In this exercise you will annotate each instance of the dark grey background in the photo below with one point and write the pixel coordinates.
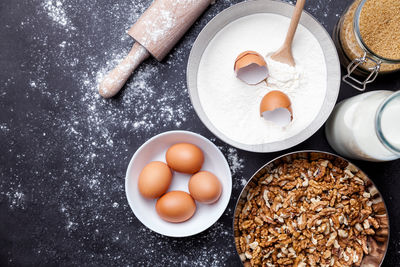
(64, 151)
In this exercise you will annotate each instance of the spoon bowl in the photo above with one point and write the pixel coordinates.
(284, 54)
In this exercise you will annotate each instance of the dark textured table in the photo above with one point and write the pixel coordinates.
(64, 151)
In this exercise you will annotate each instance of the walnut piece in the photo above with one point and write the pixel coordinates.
(309, 213)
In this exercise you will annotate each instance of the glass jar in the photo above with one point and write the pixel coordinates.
(366, 126)
(367, 37)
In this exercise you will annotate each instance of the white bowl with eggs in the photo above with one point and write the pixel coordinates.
(155, 150)
(230, 108)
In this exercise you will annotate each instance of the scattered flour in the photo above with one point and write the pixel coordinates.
(236, 163)
(55, 10)
(16, 199)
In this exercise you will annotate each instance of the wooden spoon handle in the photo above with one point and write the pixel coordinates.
(294, 22)
(115, 79)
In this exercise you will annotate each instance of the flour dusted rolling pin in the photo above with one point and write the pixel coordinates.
(156, 32)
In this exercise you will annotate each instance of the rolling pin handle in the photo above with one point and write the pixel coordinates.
(115, 79)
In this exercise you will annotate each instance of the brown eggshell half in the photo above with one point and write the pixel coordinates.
(176, 206)
(277, 107)
(185, 158)
(251, 67)
(205, 187)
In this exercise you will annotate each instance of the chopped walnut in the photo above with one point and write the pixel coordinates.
(310, 213)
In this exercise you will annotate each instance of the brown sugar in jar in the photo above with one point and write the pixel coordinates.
(380, 27)
(368, 38)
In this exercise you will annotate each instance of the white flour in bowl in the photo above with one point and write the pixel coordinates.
(233, 106)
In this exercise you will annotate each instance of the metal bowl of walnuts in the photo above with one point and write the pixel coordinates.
(311, 208)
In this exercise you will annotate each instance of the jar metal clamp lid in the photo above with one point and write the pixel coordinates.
(356, 82)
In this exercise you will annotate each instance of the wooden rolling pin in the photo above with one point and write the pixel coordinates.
(156, 32)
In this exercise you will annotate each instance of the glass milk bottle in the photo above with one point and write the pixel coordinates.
(366, 126)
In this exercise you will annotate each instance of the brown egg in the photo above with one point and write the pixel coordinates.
(154, 179)
(250, 67)
(276, 107)
(185, 157)
(176, 206)
(205, 187)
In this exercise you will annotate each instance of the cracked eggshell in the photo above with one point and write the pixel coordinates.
(276, 107)
(251, 67)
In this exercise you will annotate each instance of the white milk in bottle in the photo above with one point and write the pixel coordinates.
(366, 126)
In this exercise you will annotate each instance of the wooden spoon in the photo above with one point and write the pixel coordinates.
(284, 54)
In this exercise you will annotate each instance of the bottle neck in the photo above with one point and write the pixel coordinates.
(387, 123)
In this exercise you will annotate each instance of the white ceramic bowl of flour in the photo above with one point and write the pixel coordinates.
(230, 108)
